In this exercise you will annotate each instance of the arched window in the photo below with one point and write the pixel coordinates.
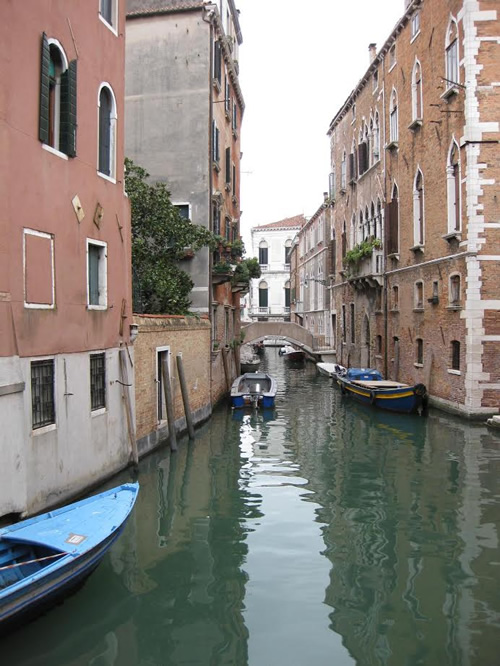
(378, 221)
(393, 116)
(352, 239)
(451, 55)
(372, 226)
(344, 239)
(392, 222)
(288, 249)
(376, 138)
(343, 171)
(454, 189)
(418, 209)
(107, 131)
(287, 294)
(360, 227)
(263, 253)
(57, 122)
(263, 295)
(454, 290)
(416, 93)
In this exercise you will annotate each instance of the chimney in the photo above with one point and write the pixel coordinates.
(372, 50)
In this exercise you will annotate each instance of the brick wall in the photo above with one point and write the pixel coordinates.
(187, 335)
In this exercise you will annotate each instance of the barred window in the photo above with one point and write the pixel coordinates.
(455, 355)
(43, 410)
(97, 381)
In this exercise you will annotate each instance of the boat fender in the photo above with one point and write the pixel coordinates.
(373, 397)
(420, 390)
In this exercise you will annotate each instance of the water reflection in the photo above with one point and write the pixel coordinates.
(320, 532)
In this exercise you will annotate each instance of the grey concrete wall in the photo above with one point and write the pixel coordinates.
(167, 117)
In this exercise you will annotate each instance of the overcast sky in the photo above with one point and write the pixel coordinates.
(299, 61)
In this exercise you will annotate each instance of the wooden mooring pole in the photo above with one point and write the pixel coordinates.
(167, 389)
(185, 396)
(226, 369)
(128, 406)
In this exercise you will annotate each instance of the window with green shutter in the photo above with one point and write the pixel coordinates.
(57, 112)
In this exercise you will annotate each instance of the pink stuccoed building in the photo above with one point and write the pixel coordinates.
(66, 393)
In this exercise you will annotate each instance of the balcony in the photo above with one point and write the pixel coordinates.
(368, 271)
(276, 312)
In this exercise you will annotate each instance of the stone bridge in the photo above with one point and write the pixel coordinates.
(298, 335)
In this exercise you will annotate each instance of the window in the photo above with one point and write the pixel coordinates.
(107, 131)
(227, 228)
(215, 143)
(344, 239)
(233, 190)
(107, 12)
(183, 210)
(455, 355)
(455, 290)
(263, 295)
(333, 338)
(332, 185)
(234, 125)
(217, 74)
(353, 167)
(287, 294)
(416, 95)
(343, 172)
(344, 324)
(43, 409)
(419, 351)
(395, 297)
(376, 138)
(454, 189)
(418, 209)
(57, 120)
(96, 275)
(216, 217)
(263, 253)
(392, 222)
(228, 168)
(392, 56)
(97, 381)
(288, 249)
(419, 295)
(227, 97)
(353, 113)
(378, 344)
(393, 118)
(451, 55)
(353, 324)
(415, 24)
(378, 221)
(375, 80)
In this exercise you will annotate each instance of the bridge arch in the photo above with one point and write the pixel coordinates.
(295, 333)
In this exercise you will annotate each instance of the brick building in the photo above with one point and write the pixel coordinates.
(65, 287)
(184, 112)
(414, 186)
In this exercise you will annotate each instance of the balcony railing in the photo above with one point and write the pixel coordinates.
(274, 311)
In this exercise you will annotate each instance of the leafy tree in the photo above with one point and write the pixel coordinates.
(160, 236)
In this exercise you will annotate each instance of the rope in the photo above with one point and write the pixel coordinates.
(40, 559)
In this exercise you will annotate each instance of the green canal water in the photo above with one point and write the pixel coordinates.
(320, 533)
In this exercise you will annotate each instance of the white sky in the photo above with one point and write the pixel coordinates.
(299, 61)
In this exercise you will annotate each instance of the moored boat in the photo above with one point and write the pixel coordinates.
(332, 370)
(44, 558)
(290, 353)
(368, 386)
(253, 389)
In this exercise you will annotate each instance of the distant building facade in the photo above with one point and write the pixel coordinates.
(66, 379)
(270, 295)
(414, 187)
(184, 113)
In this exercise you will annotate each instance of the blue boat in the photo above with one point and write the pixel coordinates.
(369, 387)
(44, 558)
(253, 389)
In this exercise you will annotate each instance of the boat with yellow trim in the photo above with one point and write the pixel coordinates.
(369, 387)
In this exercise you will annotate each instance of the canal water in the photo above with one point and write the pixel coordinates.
(319, 533)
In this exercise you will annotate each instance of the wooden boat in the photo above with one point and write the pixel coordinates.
(332, 370)
(253, 389)
(290, 353)
(44, 558)
(368, 386)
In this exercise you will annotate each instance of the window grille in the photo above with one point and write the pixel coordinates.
(97, 381)
(42, 393)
